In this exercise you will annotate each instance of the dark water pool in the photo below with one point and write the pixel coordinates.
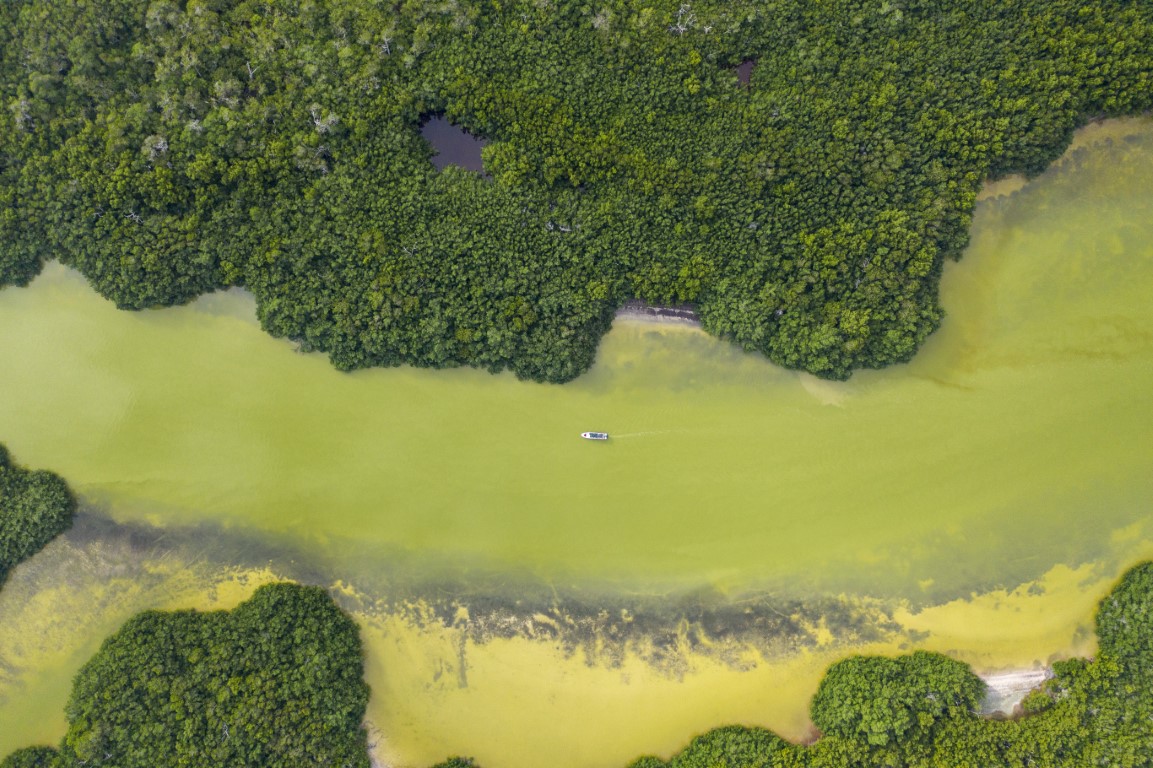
(453, 145)
(744, 71)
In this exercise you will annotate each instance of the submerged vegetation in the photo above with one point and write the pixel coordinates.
(275, 682)
(166, 149)
(919, 711)
(35, 507)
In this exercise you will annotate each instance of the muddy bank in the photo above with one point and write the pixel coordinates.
(685, 314)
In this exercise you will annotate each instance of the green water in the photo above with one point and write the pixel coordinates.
(1019, 438)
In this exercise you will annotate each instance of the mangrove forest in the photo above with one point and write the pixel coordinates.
(35, 506)
(275, 683)
(166, 149)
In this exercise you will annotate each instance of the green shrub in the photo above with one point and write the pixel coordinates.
(35, 507)
(1125, 617)
(274, 683)
(32, 757)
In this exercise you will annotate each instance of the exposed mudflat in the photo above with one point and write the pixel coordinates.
(684, 314)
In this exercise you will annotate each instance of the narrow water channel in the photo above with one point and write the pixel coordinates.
(522, 591)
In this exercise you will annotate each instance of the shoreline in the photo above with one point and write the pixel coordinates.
(682, 314)
(1095, 130)
(1007, 689)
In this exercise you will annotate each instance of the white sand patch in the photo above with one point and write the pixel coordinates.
(1008, 689)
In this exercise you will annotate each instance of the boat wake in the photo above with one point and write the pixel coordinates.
(644, 434)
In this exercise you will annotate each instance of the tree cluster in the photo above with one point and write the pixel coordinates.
(166, 148)
(275, 683)
(35, 507)
(920, 711)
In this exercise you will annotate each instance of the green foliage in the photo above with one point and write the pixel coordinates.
(35, 507)
(275, 682)
(1036, 701)
(880, 700)
(32, 757)
(166, 149)
(736, 747)
(1125, 618)
(648, 761)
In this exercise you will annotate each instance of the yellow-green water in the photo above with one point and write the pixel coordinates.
(1015, 447)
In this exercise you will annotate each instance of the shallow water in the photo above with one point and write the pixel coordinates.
(978, 500)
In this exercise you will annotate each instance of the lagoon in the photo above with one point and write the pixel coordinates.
(977, 500)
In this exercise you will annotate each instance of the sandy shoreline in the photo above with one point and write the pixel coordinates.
(1006, 690)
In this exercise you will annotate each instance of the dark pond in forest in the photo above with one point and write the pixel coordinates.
(453, 145)
(744, 71)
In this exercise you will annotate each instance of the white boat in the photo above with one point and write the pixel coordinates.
(595, 435)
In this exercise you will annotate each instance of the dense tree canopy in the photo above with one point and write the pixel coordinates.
(885, 701)
(1125, 620)
(275, 683)
(169, 147)
(35, 507)
(31, 757)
